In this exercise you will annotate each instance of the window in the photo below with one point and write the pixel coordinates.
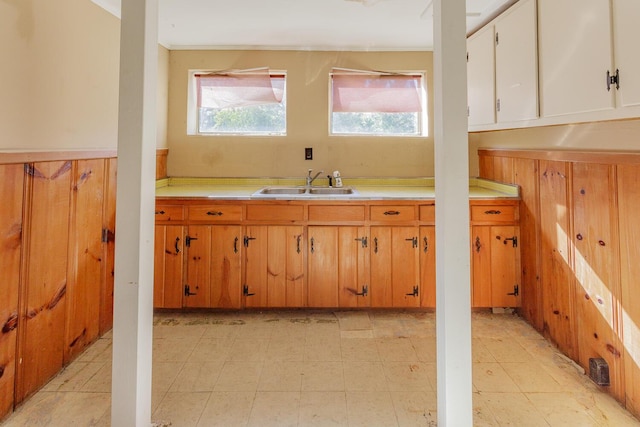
(381, 104)
(245, 102)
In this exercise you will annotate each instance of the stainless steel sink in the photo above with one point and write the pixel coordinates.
(304, 192)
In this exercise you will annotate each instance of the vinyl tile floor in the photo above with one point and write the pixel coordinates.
(327, 368)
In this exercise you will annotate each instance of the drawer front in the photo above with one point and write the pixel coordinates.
(215, 213)
(428, 213)
(336, 213)
(169, 213)
(275, 212)
(393, 213)
(499, 213)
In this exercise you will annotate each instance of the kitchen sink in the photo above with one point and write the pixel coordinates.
(304, 192)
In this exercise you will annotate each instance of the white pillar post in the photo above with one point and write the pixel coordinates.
(135, 201)
(453, 300)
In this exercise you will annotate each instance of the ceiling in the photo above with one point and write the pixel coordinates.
(305, 24)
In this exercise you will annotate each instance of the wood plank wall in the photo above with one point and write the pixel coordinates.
(57, 230)
(580, 254)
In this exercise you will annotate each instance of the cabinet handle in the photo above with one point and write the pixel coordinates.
(478, 244)
(177, 248)
(392, 213)
(160, 212)
(313, 249)
(235, 245)
(298, 243)
(492, 212)
(375, 245)
(426, 245)
(212, 213)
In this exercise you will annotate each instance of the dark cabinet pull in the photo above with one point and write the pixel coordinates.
(298, 243)
(492, 212)
(392, 213)
(212, 213)
(312, 241)
(426, 245)
(478, 244)
(160, 212)
(375, 245)
(177, 248)
(235, 245)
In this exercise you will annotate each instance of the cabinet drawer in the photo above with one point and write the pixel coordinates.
(275, 212)
(169, 213)
(428, 213)
(499, 213)
(215, 213)
(336, 213)
(393, 213)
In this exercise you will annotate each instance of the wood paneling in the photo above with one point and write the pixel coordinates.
(628, 177)
(108, 254)
(168, 266)
(11, 191)
(85, 256)
(381, 267)
(595, 241)
(557, 278)
(42, 325)
(161, 162)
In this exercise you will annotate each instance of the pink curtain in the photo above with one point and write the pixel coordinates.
(381, 93)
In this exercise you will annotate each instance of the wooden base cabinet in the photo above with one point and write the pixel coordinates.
(168, 266)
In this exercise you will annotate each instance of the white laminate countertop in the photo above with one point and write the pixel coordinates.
(366, 188)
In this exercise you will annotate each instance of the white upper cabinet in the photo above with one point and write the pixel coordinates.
(480, 77)
(516, 63)
(575, 54)
(626, 24)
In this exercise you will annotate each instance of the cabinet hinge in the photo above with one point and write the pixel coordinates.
(414, 241)
(245, 291)
(514, 241)
(188, 239)
(497, 39)
(247, 239)
(613, 79)
(414, 293)
(187, 291)
(467, 56)
(363, 241)
(516, 291)
(365, 291)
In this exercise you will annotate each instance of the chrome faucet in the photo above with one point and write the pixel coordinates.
(310, 179)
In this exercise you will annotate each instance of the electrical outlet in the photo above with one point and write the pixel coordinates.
(308, 153)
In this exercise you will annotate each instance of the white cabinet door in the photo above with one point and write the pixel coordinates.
(480, 77)
(626, 36)
(575, 55)
(516, 63)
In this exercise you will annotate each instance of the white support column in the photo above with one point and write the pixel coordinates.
(135, 201)
(453, 300)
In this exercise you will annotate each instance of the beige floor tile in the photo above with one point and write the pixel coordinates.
(425, 348)
(164, 374)
(74, 376)
(100, 382)
(407, 376)
(210, 349)
(359, 349)
(364, 376)
(396, 350)
(491, 377)
(281, 376)
(239, 376)
(285, 349)
(415, 408)
(363, 334)
(275, 409)
(197, 377)
(173, 349)
(248, 349)
(530, 377)
(370, 408)
(222, 329)
(510, 409)
(181, 409)
(354, 320)
(562, 409)
(322, 349)
(322, 376)
(227, 409)
(255, 330)
(182, 330)
(323, 409)
(99, 351)
(606, 410)
(480, 353)
(506, 350)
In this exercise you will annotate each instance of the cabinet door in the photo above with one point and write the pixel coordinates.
(256, 266)
(197, 288)
(517, 63)
(353, 267)
(285, 267)
(596, 268)
(226, 273)
(381, 267)
(575, 54)
(85, 257)
(323, 266)
(428, 266)
(505, 266)
(109, 247)
(481, 266)
(626, 35)
(11, 188)
(481, 77)
(41, 342)
(168, 267)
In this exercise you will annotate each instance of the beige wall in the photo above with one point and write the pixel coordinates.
(623, 135)
(163, 96)
(60, 75)
(307, 120)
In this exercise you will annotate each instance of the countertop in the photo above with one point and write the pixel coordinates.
(366, 188)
